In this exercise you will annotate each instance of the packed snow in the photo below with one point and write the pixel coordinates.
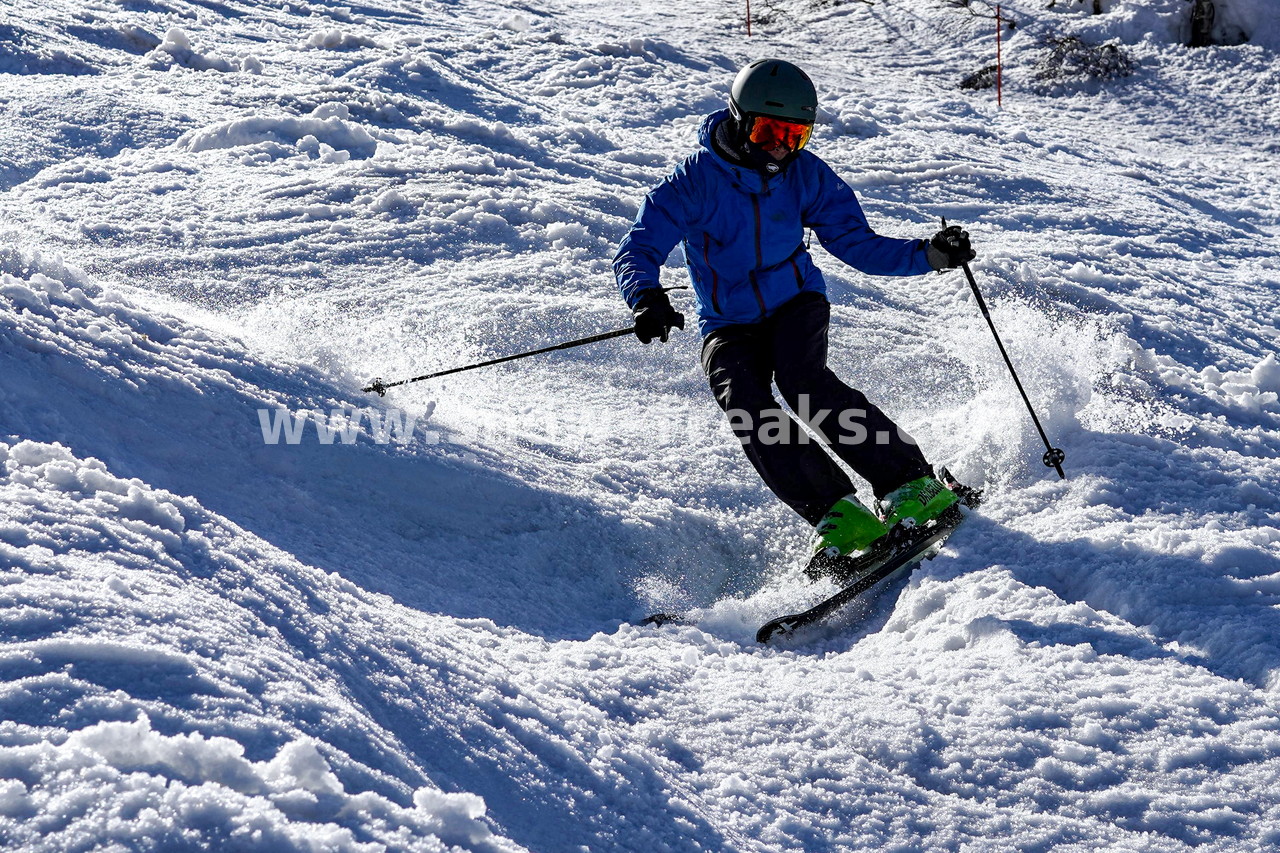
(248, 606)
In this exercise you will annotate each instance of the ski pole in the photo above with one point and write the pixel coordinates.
(1053, 456)
(380, 388)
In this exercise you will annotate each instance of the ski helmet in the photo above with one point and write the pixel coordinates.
(776, 88)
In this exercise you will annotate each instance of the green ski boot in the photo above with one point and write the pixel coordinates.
(917, 503)
(847, 527)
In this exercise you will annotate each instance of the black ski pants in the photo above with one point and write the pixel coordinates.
(790, 349)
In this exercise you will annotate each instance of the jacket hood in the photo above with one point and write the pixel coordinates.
(708, 128)
(744, 175)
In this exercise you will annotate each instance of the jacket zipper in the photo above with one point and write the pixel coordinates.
(715, 277)
(755, 283)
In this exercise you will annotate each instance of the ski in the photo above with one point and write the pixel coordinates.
(868, 571)
(657, 620)
(895, 553)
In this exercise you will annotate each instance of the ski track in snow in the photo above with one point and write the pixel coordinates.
(217, 212)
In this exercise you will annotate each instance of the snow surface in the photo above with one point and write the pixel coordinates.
(405, 626)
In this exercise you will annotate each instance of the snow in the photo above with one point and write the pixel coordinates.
(245, 605)
(326, 126)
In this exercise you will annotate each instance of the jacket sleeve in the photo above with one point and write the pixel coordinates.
(662, 222)
(837, 218)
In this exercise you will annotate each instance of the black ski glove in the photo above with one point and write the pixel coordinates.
(655, 317)
(949, 248)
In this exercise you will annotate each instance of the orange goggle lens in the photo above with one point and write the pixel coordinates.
(769, 133)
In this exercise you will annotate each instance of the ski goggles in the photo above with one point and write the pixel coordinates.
(769, 133)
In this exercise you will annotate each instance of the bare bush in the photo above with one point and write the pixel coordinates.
(1066, 60)
(983, 78)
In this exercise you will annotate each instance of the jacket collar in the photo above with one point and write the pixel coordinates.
(750, 179)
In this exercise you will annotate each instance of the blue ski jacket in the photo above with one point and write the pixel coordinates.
(743, 234)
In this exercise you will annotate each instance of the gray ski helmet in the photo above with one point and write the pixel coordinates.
(773, 87)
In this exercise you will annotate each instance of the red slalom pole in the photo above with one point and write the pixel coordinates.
(999, 63)
(748, 18)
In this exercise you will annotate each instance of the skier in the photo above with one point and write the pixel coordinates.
(739, 206)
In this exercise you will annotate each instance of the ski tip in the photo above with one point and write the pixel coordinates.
(767, 633)
(781, 627)
(659, 619)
